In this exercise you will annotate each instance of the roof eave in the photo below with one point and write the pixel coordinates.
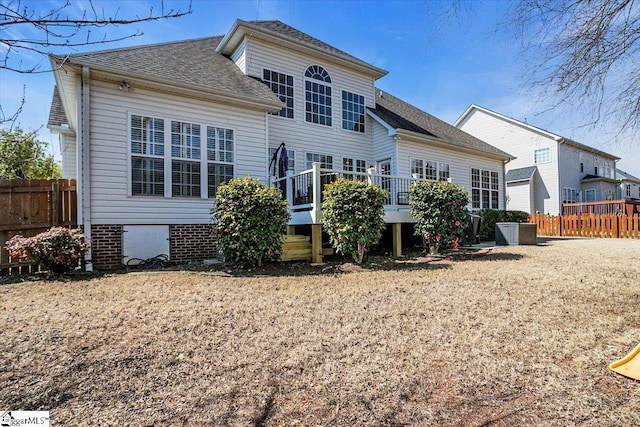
(584, 147)
(420, 137)
(186, 89)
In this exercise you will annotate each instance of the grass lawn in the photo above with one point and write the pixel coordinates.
(506, 337)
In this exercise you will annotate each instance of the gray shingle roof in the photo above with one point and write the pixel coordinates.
(56, 113)
(297, 36)
(401, 115)
(193, 63)
(624, 175)
(520, 174)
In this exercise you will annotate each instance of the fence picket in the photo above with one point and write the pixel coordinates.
(588, 225)
(29, 207)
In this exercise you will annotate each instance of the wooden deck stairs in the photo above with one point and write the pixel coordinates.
(296, 248)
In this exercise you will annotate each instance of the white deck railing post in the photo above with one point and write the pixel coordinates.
(289, 189)
(316, 210)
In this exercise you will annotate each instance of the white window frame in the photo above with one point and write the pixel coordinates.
(485, 190)
(146, 153)
(569, 195)
(168, 157)
(592, 192)
(357, 124)
(627, 190)
(316, 158)
(542, 155)
(310, 102)
(284, 112)
(291, 155)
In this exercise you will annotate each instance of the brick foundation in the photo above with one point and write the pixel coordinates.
(191, 242)
(106, 246)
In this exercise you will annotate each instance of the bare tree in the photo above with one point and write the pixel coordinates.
(584, 53)
(62, 27)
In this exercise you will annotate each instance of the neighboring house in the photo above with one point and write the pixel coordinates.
(150, 132)
(549, 170)
(629, 186)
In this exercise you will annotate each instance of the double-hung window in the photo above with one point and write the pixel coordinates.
(443, 172)
(569, 195)
(147, 156)
(282, 85)
(431, 170)
(326, 162)
(175, 158)
(318, 96)
(354, 165)
(484, 189)
(417, 168)
(352, 111)
(185, 159)
(220, 150)
(627, 190)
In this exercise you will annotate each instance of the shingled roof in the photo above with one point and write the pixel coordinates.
(56, 113)
(520, 174)
(193, 63)
(401, 115)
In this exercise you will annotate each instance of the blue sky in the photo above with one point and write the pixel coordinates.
(439, 63)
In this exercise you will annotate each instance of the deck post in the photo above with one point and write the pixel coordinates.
(396, 228)
(316, 243)
(316, 210)
(289, 189)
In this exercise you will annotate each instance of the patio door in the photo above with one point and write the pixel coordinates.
(384, 168)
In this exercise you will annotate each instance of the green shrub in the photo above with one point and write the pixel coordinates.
(249, 221)
(491, 216)
(439, 211)
(58, 249)
(353, 216)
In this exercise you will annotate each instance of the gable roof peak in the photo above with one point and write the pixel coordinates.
(278, 32)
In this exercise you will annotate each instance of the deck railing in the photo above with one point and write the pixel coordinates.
(303, 190)
(608, 207)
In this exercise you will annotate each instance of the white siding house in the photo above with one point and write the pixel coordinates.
(151, 131)
(548, 170)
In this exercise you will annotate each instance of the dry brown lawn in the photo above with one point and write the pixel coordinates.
(507, 337)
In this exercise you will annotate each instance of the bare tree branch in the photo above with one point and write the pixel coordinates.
(56, 28)
(585, 53)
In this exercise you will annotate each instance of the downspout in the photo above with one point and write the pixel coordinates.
(85, 163)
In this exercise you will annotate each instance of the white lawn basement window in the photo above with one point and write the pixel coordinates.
(542, 155)
(156, 142)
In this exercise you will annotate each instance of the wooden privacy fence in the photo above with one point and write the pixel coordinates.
(588, 225)
(29, 207)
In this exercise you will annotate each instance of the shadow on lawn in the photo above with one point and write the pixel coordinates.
(333, 265)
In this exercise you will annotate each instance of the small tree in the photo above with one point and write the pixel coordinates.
(249, 221)
(59, 249)
(23, 156)
(353, 216)
(438, 209)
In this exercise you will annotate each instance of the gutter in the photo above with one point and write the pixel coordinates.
(84, 207)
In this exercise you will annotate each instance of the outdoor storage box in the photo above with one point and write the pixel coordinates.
(515, 233)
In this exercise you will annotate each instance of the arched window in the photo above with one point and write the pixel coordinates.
(317, 95)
